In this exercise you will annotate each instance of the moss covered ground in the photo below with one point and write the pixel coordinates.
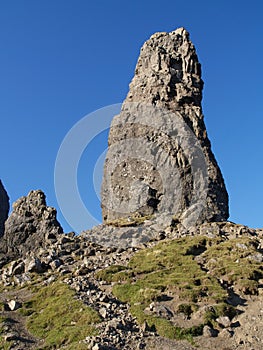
(57, 317)
(191, 271)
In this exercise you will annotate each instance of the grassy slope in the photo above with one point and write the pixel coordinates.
(193, 271)
(57, 317)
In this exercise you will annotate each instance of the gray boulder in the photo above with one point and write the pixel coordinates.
(4, 208)
(159, 163)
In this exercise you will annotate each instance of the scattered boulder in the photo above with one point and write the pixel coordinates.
(10, 337)
(14, 305)
(159, 161)
(33, 265)
(209, 332)
(4, 208)
(55, 264)
(163, 311)
(16, 267)
(226, 333)
(223, 321)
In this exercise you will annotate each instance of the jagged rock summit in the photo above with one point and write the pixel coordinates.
(159, 162)
(31, 225)
(4, 207)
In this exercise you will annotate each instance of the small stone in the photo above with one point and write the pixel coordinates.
(209, 332)
(256, 257)
(145, 327)
(21, 280)
(226, 333)
(104, 298)
(12, 266)
(163, 311)
(162, 235)
(10, 337)
(14, 305)
(65, 239)
(151, 306)
(55, 264)
(33, 265)
(103, 312)
(223, 321)
(50, 279)
(82, 271)
(71, 234)
(96, 347)
(19, 269)
(241, 246)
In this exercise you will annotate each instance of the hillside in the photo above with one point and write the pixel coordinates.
(182, 290)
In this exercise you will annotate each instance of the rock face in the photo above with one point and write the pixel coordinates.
(4, 208)
(32, 224)
(159, 161)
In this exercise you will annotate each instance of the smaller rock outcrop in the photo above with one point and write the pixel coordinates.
(4, 208)
(31, 225)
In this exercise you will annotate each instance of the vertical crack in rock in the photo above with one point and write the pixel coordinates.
(159, 161)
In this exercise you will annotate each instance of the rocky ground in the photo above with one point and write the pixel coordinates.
(75, 261)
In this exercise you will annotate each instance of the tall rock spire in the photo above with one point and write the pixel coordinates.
(159, 161)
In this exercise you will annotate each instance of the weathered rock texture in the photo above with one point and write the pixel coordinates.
(4, 208)
(32, 224)
(159, 159)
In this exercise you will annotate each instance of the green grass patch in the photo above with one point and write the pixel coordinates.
(230, 260)
(79, 346)
(4, 345)
(169, 268)
(53, 314)
(114, 273)
(164, 327)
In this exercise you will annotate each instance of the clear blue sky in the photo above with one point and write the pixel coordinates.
(62, 59)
